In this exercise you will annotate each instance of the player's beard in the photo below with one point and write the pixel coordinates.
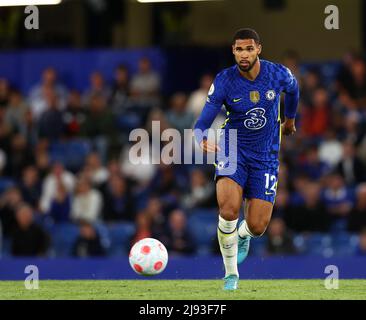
(248, 68)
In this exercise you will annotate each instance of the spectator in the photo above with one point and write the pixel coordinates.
(19, 156)
(88, 244)
(30, 186)
(138, 162)
(94, 169)
(118, 202)
(28, 238)
(60, 208)
(9, 202)
(143, 228)
(178, 116)
(351, 167)
(50, 183)
(74, 116)
(310, 84)
(352, 91)
(310, 214)
(316, 117)
(165, 182)
(313, 167)
(281, 204)
(121, 90)
(155, 214)
(50, 124)
(330, 149)
(279, 241)
(357, 216)
(16, 112)
(87, 202)
(99, 126)
(338, 199)
(178, 239)
(197, 98)
(145, 84)
(202, 192)
(97, 88)
(38, 94)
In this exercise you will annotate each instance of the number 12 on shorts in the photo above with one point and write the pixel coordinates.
(271, 183)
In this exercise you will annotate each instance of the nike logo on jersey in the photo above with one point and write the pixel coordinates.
(236, 100)
(269, 193)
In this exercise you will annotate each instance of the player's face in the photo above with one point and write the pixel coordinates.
(246, 53)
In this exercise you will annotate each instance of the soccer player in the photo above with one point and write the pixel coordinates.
(250, 91)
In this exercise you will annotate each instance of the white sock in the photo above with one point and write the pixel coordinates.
(244, 230)
(227, 235)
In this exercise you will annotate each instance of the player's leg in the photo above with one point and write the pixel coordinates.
(229, 198)
(257, 218)
(260, 192)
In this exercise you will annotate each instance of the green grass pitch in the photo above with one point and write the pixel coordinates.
(183, 290)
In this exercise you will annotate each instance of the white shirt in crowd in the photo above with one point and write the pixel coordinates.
(49, 188)
(87, 206)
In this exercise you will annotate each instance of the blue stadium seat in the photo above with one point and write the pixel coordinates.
(71, 154)
(104, 236)
(345, 244)
(63, 238)
(203, 225)
(5, 248)
(300, 243)
(120, 235)
(319, 244)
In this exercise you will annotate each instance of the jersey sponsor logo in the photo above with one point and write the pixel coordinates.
(236, 100)
(256, 119)
(211, 90)
(254, 96)
(270, 94)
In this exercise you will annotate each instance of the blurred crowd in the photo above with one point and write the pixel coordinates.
(322, 179)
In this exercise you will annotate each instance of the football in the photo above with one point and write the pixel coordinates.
(148, 257)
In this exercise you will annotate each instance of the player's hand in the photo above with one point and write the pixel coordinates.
(288, 127)
(209, 147)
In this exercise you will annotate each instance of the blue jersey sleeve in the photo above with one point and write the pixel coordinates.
(291, 89)
(214, 102)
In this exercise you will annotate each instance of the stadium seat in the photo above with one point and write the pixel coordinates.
(71, 154)
(299, 242)
(104, 236)
(203, 225)
(120, 235)
(63, 236)
(345, 244)
(319, 244)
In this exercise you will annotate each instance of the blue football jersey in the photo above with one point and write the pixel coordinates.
(253, 107)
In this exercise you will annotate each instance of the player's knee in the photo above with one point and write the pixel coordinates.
(258, 228)
(229, 213)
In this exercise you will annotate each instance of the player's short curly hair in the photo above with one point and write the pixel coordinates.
(246, 33)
